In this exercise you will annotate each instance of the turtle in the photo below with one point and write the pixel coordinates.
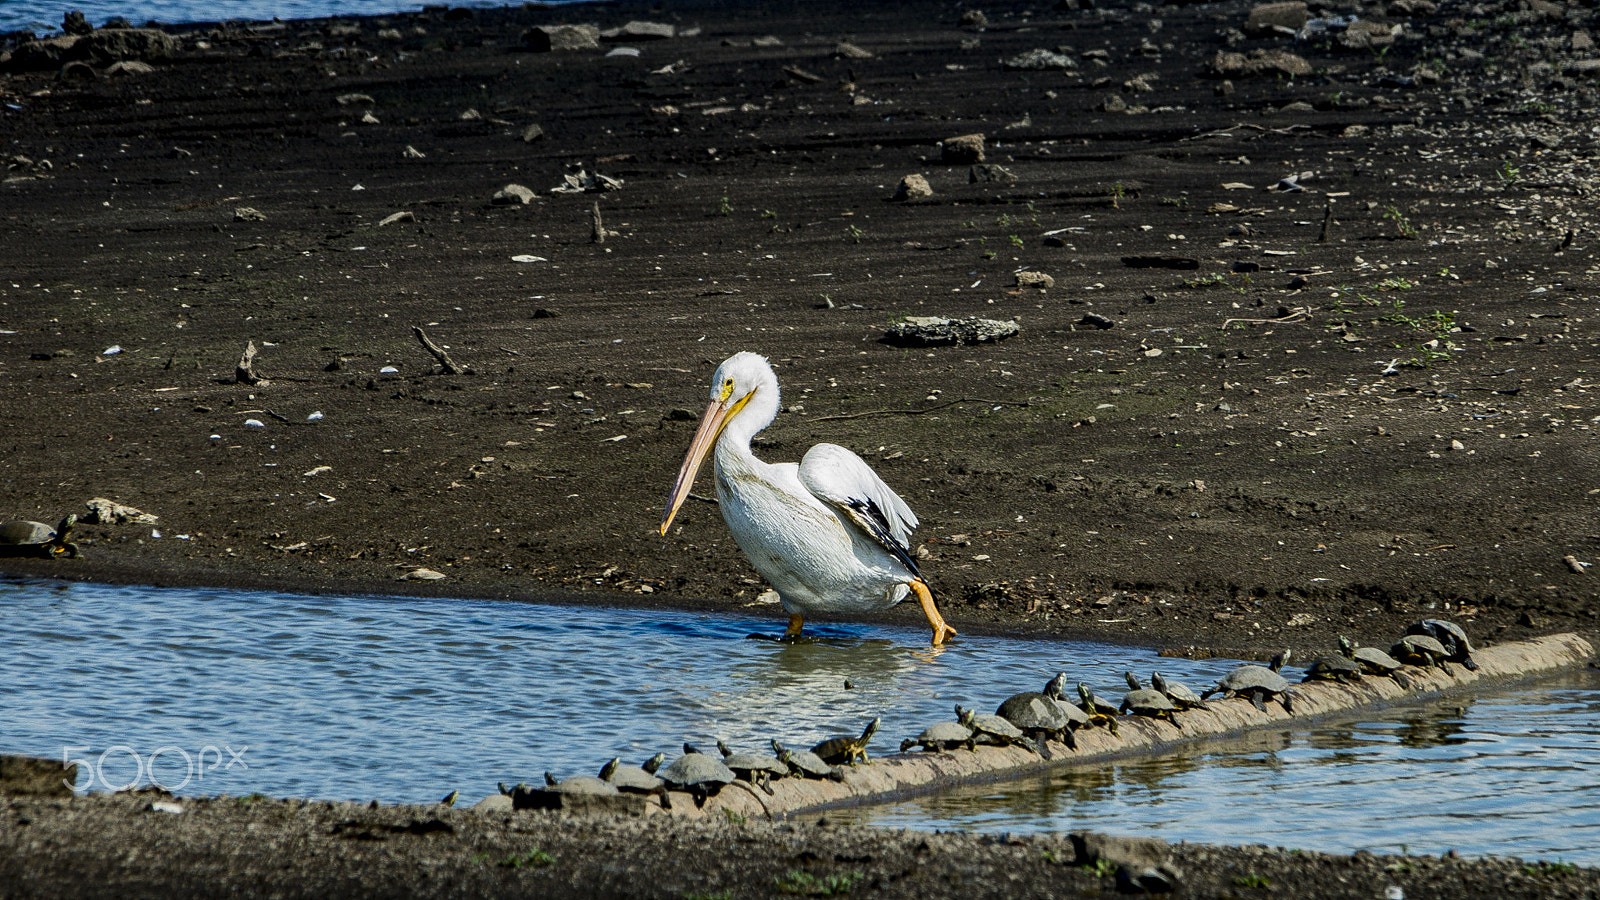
(842, 749)
(1096, 710)
(1420, 650)
(1256, 683)
(1038, 713)
(805, 763)
(1373, 661)
(941, 736)
(1333, 668)
(38, 539)
(1143, 701)
(1056, 691)
(1180, 694)
(578, 784)
(1454, 638)
(698, 773)
(638, 779)
(757, 768)
(987, 729)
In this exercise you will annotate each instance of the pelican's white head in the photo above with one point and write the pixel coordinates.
(743, 389)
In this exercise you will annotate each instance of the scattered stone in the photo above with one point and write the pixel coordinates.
(512, 195)
(1582, 42)
(367, 118)
(129, 67)
(110, 512)
(638, 31)
(913, 187)
(799, 74)
(973, 18)
(413, 153)
(1098, 322)
(990, 172)
(28, 775)
(249, 214)
(1365, 35)
(548, 38)
(584, 181)
(1276, 18)
(532, 133)
(1400, 9)
(935, 331)
(1256, 63)
(847, 50)
(1113, 103)
(420, 574)
(1039, 60)
(1585, 67)
(963, 149)
(1039, 280)
(351, 99)
(623, 51)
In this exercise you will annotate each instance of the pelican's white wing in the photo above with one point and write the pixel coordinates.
(845, 482)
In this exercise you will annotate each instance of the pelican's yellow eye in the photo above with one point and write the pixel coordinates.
(727, 388)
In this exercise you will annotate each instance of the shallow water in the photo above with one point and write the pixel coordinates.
(405, 699)
(45, 15)
(1505, 774)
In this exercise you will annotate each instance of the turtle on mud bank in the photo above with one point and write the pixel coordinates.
(1257, 684)
(38, 539)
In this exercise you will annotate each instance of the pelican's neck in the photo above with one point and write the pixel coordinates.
(733, 448)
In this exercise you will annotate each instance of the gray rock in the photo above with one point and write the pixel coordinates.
(638, 31)
(1364, 35)
(1270, 18)
(129, 67)
(1586, 67)
(1039, 60)
(973, 18)
(1035, 280)
(512, 195)
(249, 214)
(1399, 9)
(913, 187)
(109, 45)
(990, 172)
(963, 149)
(1093, 848)
(935, 331)
(1258, 62)
(532, 133)
(110, 512)
(27, 775)
(546, 38)
(847, 50)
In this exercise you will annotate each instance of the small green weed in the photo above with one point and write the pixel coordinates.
(1102, 868)
(1252, 880)
(1394, 283)
(735, 818)
(1402, 224)
(532, 859)
(1545, 868)
(1508, 174)
(1015, 241)
(724, 208)
(1179, 202)
(802, 882)
(854, 233)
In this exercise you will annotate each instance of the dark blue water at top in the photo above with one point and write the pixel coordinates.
(45, 15)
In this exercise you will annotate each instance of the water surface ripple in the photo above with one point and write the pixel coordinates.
(405, 699)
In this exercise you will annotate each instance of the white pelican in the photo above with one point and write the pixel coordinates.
(827, 534)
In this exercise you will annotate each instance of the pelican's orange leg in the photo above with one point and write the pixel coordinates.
(925, 597)
(796, 622)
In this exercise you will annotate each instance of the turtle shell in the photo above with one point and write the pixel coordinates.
(1333, 668)
(940, 736)
(1033, 711)
(1375, 661)
(803, 762)
(634, 779)
(1457, 647)
(695, 769)
(1180, 694)
(1147, 701)
(582, 784)
(1252, 677)
(20, 534)
(742, 763)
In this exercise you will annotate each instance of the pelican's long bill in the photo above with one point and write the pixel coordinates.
(716, 418)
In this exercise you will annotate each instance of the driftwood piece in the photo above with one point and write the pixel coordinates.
(597, 230)
(445, 362)
(245, 371)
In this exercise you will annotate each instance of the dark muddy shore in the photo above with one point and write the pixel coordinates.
(1315, 356)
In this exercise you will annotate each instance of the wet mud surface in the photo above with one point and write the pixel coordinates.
(1327, 404)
